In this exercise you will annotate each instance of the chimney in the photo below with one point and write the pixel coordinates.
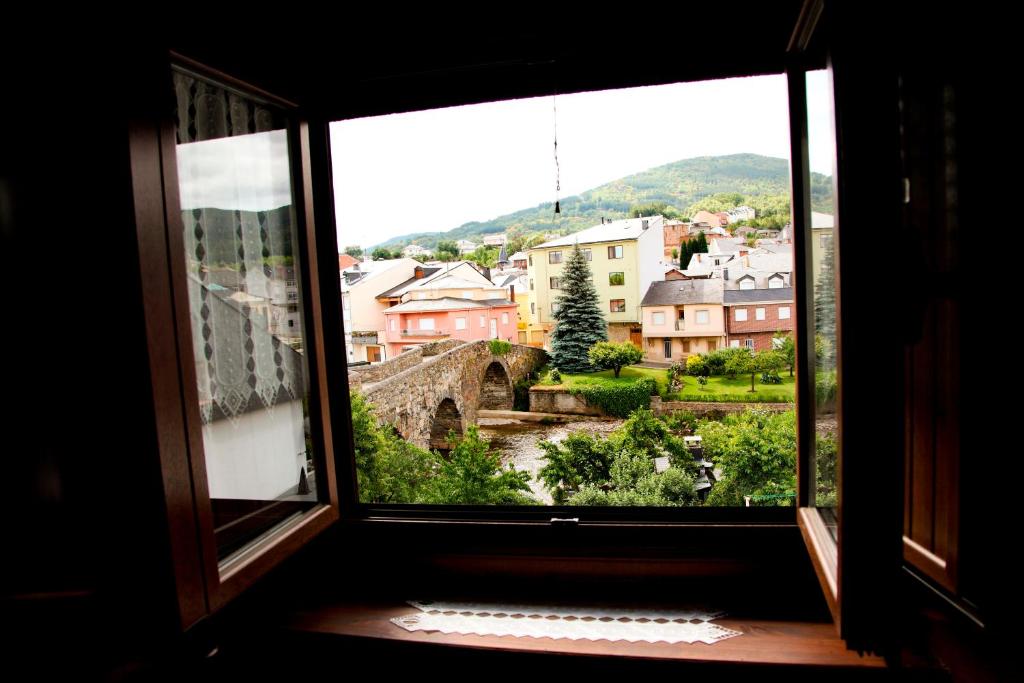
(698, 258)
(418, 272)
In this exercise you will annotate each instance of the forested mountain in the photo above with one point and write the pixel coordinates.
(686, 186)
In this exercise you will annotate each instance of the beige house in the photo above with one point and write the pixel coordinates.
(362, 313)
(624, 257)
(681, 317)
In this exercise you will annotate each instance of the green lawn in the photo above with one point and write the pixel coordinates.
(717, 388)
(626, 376)
(722, 388)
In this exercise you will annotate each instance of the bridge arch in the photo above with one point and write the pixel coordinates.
(495, 388)
(447, 417)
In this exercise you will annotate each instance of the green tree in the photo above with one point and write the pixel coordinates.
(578, 460)
(675, 254)
(769, 363)
(384, 254)
(685, 253)
(388, 468)
(699, 244)
(486, 257)
(447, 250)
(579, 323)
(739, 363)
(788, 349)
(608, 355)
(645, 434)
(755, 451)
(825, 307)
(654, 209)
(472, 475)
(354, 250)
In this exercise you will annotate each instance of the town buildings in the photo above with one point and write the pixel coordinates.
(452, 300)
(755, 318)
(681, 317)
(624, 256)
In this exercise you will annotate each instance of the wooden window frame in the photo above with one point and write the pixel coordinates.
(205, 584)
(149, 153)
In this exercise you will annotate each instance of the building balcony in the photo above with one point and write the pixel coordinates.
(364, 338)
(424, 333)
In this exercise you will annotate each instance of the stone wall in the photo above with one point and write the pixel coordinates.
(713, 410)
(555, 399)
(368, 374)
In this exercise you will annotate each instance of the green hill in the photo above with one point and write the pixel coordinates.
(686, 186)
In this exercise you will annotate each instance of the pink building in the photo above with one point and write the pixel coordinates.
(417, 322)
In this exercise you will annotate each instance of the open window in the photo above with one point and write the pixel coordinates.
(325, 412)
(251, 446)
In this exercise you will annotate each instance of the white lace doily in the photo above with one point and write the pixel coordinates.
(573, 623)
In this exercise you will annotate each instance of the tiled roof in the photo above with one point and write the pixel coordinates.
(613, 231)
(679, 292)
(751, 296)
(446, 303)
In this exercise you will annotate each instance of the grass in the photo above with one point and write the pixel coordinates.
(737, 390)
(717, 388)
(627, 375)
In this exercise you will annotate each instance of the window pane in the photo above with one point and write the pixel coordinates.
(244, 296)
(413, 409)
(821, 144)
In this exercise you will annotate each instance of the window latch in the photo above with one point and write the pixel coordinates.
(565, 521)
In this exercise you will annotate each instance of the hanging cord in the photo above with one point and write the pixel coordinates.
(558, 170)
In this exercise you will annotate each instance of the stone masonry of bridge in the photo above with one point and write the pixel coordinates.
(423, 400)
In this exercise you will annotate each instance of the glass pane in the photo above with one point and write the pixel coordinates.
(824, 227)
(246, 309)
(662, 228)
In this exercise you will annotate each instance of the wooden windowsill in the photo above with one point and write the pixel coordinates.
(764, 641)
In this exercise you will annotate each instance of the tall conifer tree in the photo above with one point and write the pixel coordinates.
(579, 323)
(825, 306)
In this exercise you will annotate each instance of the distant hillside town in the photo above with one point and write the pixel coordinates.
(671, 287)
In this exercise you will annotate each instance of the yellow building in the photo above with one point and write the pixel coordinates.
(624, 256)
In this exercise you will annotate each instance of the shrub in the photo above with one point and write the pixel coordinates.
(580, 459)
(521, 394)
(499, 347)
(730, 398)
(675, 374)
(680, 421)
(555, 376)
(756, 452)
(618, 399)
(825, 387)
(697, 366)
(472, 475)
(718, 361)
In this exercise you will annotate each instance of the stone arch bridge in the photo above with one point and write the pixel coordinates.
(439, 387)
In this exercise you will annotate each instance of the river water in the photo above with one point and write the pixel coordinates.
(517, 442)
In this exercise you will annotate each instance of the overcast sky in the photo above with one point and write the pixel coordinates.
(435, 170)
